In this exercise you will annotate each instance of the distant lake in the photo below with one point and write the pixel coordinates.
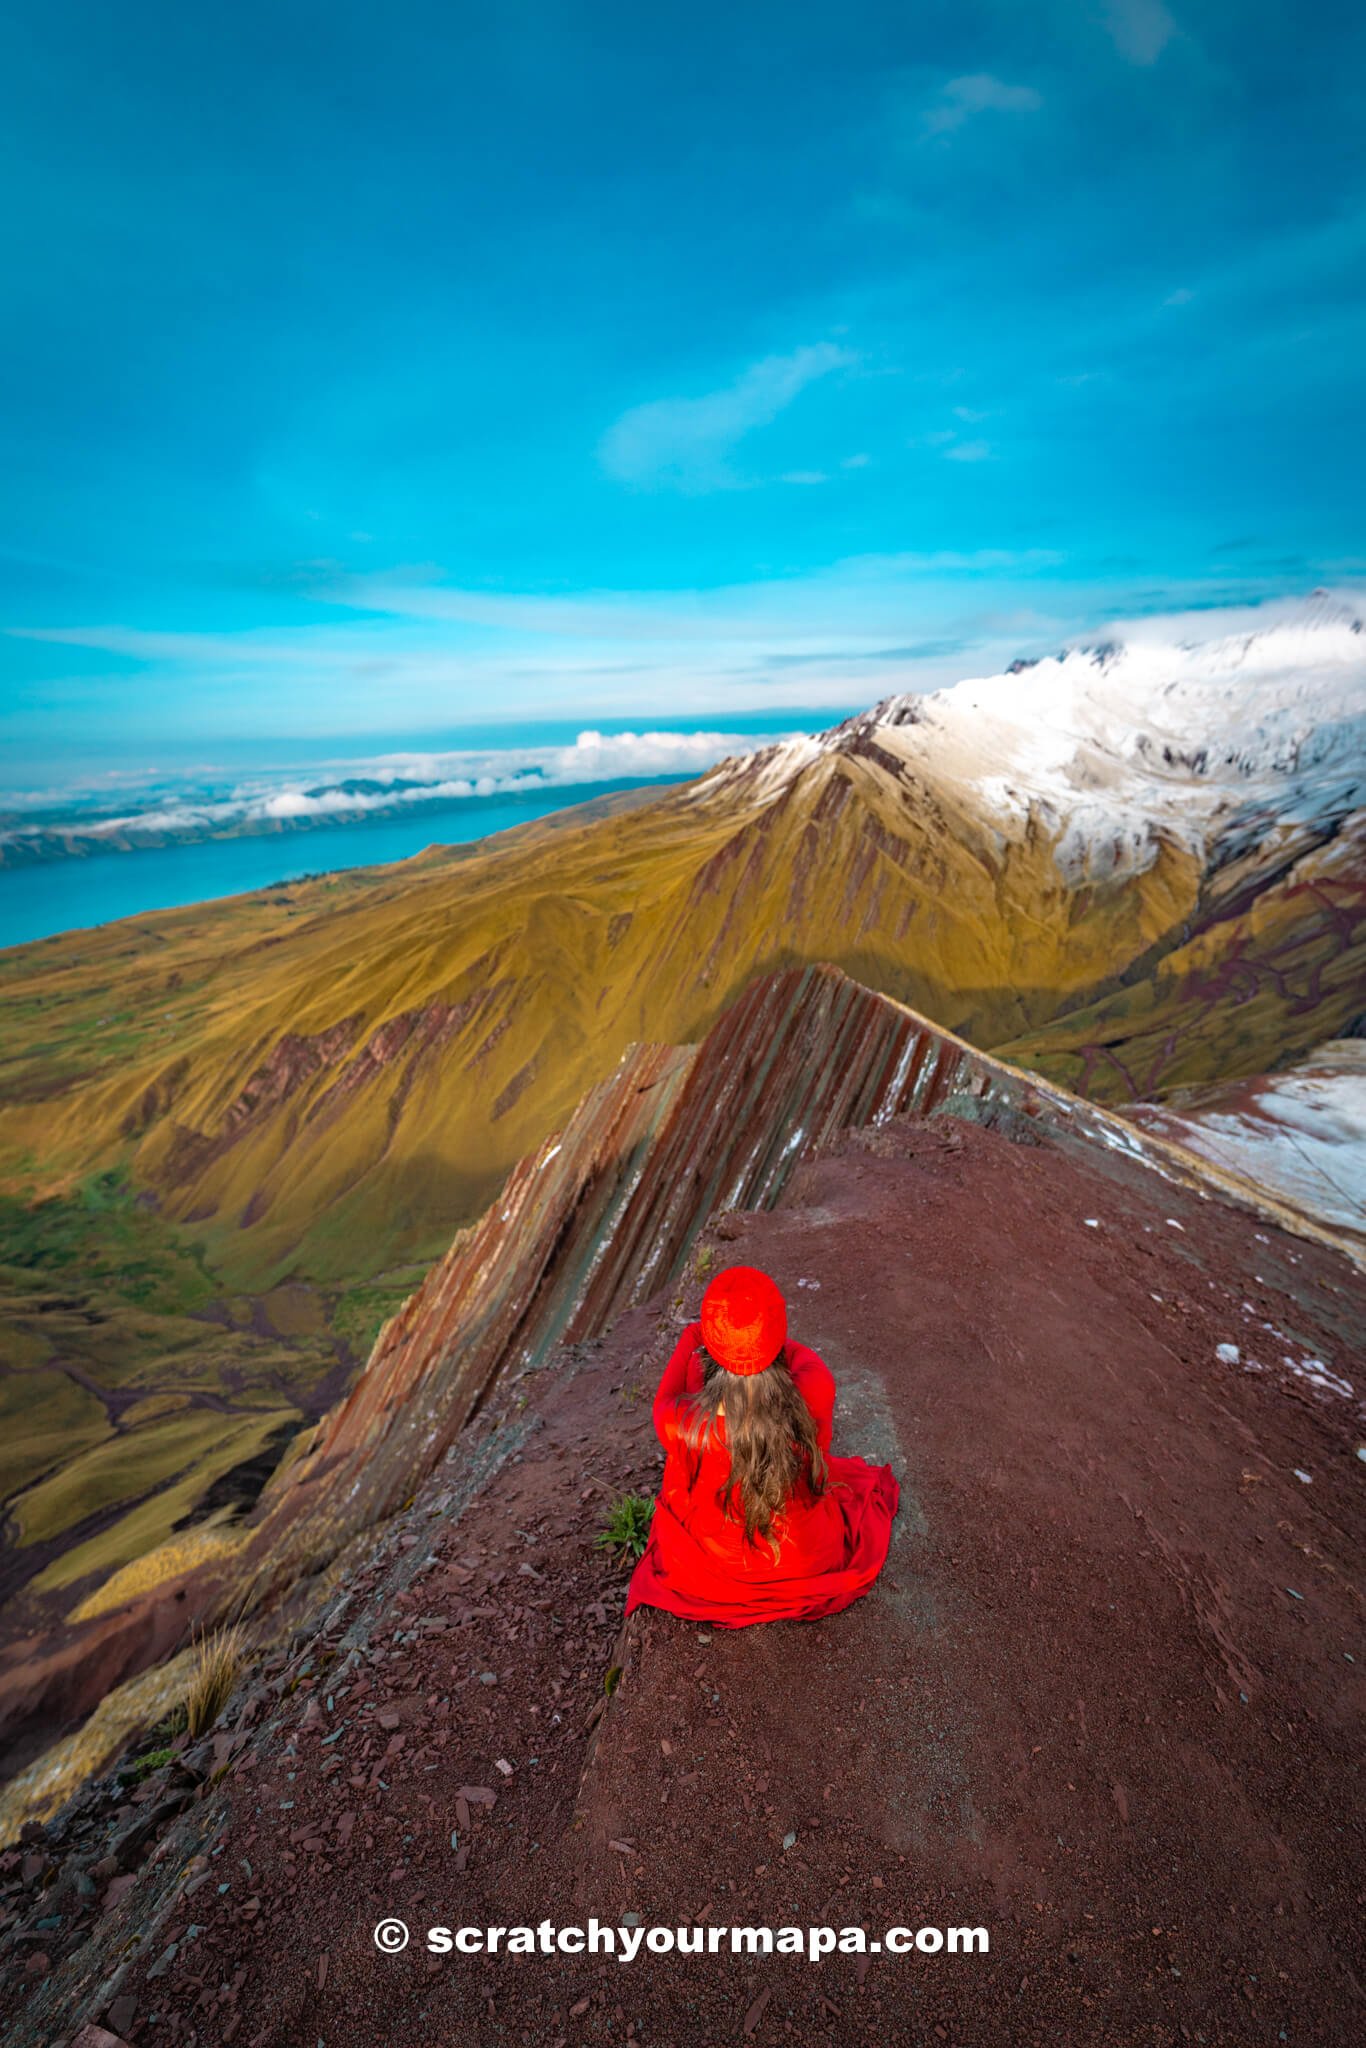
(63, 895)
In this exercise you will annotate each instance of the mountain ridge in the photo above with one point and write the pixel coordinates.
(1104, 1472)
(601, 1214)
(295, 1100)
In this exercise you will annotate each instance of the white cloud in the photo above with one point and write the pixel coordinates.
(1139, 29)
(969, 451)
(1182, 296)
(805, 476)
(965, 412)
(407, 779)
(856, 462)
(978, 93)
(684, 442)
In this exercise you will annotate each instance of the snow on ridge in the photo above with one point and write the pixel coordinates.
(1189, 729)
(1157, 735)
(764, 773)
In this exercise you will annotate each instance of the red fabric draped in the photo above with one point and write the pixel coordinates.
(698, 1564)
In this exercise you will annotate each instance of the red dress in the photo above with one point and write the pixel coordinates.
(697, 1562)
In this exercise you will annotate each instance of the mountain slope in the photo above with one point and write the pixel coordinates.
(1097, 1703)
(1132, 869)
(377, 1050)
(594, 1220)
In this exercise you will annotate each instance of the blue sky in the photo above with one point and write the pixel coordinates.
(382, 370)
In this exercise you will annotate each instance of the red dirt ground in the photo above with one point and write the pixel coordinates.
(1102, 1701)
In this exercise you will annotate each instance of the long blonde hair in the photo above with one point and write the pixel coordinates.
(771, 1435)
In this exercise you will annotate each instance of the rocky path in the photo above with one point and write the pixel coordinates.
(1104, 1702)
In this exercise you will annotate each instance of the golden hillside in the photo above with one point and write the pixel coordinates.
(250, 1126)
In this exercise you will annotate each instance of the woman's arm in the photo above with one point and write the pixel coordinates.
(679, 1378)
(816, 1385)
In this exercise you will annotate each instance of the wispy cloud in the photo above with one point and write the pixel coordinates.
(139, 644)
(684, 443)
(1139, 29)
(969, 451)
(843, 634)
(977, 93)
(955, 562)
(1182, 296)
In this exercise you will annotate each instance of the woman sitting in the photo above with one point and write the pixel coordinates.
(756, 1520)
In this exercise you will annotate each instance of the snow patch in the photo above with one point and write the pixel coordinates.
(1300, 1134)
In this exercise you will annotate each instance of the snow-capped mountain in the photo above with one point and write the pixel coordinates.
(1161, 734)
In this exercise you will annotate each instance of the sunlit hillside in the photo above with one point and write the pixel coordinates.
(247, 1129)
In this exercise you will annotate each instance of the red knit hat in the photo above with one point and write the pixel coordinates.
(744, 1320)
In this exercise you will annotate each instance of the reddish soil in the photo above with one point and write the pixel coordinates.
(1102, 1701)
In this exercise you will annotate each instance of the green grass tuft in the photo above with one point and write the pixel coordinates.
(627, 1528)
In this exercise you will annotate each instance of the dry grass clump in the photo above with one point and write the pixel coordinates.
(217, 1659)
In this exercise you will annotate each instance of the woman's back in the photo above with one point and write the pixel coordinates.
(810, 1554)
(693, 1429)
